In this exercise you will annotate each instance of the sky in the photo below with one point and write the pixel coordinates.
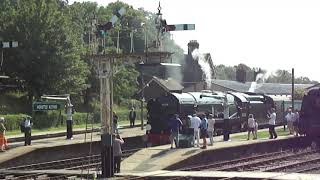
(271, 34)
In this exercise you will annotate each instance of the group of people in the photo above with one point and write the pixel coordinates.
(253, 125)
(202, 125)
(25, 126)
(292, 119)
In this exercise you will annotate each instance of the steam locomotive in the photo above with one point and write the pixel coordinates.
(238, 106)
(309, 123)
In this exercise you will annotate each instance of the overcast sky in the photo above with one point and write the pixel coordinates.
(272, 34)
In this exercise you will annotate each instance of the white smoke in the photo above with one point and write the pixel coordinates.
(253, 86)
(205, 66)
(260, 78)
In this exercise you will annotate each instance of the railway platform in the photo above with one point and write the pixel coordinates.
(57, 140)
(163, 174)
(163, 158)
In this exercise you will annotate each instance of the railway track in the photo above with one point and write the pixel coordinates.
(289, 161)
(43, 176)
(86, 162)
(268, 162)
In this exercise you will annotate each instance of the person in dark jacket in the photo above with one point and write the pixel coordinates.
(27, 131)
(175, 126)
(132, 117)
(115, 122)
(117, 152)
(203, 130)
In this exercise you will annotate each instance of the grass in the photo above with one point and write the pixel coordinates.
(264, 134)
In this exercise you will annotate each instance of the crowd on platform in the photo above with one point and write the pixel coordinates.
(202, 126)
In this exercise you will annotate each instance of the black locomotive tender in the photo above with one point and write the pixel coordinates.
(309, 123)
(240, 105)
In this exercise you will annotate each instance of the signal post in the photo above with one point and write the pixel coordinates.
(105, 72)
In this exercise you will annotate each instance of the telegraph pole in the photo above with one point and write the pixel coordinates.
(105, 115)
(292, 89)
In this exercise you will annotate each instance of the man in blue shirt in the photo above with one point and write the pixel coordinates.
(175, 126)
(203, 130)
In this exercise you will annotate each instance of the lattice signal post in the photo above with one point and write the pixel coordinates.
(105, 73)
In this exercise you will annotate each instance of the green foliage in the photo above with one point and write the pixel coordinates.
(225, 72)
(48, 56)
(13, 102)
(281, 76)
(54, 119)
(299, 93)
(124, 83)
(284, 76)
(12, 121)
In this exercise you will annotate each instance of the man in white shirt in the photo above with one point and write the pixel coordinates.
(272, 123)
(290, 117)
(211, 122)
(195, 124)
(251, 126)
(27, 131)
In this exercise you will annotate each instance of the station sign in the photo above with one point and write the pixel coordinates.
(45, 106)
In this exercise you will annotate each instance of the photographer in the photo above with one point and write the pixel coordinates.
(117, 152)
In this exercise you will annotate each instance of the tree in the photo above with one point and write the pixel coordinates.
(48, 57)
(225, 72)
(299, 93)
(284, 76)
(140, 22)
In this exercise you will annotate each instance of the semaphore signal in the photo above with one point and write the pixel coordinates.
(162, 26)
(6, 45)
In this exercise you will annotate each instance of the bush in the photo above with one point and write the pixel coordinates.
(47, 119)
(54, 119)
(12, 121)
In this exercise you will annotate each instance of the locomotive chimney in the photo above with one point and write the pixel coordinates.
(192, 45)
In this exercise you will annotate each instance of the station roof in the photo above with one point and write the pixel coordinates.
(264, 88)
(155, 86)
(194, 97)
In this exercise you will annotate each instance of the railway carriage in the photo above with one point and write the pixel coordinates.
(239, 106)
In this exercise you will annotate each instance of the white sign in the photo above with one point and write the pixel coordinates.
(6, 44)
(15, 44)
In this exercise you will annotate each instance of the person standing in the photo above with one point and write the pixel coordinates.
(175, 127)
(117, 152)
(203, 130)
(296, 122)
(195, 124)
(290, 120)
(132, 117)
(272, 123)
(256, 127)
(115, 122)
(3, 140)
(70, 111)
(211, 122)
(27, 131)
(251, 126)
(188, 123)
